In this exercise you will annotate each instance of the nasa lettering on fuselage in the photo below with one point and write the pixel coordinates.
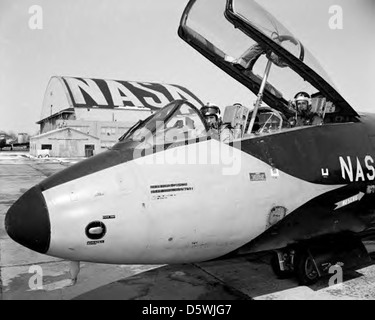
(357, 169)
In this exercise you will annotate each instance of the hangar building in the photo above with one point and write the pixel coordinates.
(82, 117)
(65, 142)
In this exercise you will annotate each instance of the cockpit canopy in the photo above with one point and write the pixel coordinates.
(181, 122)
(239, 36)
(176, 122)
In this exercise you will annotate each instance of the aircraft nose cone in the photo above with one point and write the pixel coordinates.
(27, 221)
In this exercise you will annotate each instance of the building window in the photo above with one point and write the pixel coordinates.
(89, 150)
(46, 146)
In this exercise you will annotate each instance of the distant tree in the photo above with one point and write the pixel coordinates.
(2, 143)
(12, 136)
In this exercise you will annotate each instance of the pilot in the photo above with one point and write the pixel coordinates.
(304, 115)
(217, 129)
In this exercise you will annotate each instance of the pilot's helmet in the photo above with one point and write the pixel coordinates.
(211, 113)
(302, 101)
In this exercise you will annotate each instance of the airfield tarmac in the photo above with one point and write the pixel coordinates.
(236, 279)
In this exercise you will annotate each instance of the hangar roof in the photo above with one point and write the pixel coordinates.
(52, 132)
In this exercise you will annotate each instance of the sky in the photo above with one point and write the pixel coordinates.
(138, 41)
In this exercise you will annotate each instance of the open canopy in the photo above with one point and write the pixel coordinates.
(240, 36)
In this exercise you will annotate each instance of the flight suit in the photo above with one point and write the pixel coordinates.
(312, 119)
(223, 134)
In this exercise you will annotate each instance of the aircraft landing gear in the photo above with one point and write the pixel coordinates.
(282, 264)
(313, 260)
(299, 263)
(305, 268)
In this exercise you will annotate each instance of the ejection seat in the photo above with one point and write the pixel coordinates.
(235, 117)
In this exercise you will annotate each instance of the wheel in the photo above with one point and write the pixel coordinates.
(305, 268)
(47, 155)
(275, 265)
(39, 156)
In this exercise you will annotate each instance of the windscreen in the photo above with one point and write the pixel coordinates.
(142, 129)
(176, 122)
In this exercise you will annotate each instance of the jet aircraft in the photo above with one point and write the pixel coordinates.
(168, 192)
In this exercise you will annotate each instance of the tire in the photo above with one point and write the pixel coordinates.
(305, 268)
(281, 274)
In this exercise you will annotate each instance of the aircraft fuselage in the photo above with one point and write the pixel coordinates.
(157, 206)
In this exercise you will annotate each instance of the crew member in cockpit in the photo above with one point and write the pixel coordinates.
(304, 115)
(217, 129)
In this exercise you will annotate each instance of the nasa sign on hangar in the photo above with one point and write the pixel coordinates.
(97, 112)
